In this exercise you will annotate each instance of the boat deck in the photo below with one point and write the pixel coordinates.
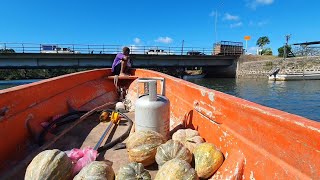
(88, 133)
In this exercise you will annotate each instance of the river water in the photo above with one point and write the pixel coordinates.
(12, 83)
(296, 97)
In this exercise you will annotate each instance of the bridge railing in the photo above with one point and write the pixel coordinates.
(100, 49)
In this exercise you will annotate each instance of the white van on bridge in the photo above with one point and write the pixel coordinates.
(57, 49)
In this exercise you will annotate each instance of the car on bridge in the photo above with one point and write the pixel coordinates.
(57, 49)
(158, 52)
(195, 53)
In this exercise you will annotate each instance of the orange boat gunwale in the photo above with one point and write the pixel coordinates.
(257, 141)
(246, 123)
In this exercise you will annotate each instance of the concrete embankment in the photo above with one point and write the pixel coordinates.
(262, 68)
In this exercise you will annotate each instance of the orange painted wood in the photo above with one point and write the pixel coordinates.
(29, 105)
(274, 144)
(258, 142)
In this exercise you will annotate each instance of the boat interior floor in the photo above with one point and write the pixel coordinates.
(88, 133)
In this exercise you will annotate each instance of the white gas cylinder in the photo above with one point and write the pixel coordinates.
(152, 111)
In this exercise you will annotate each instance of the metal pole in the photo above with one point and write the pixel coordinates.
(215, 25)
(103, 136)
(284, 51)
(182, 47)
(246, 45)
(285, 47)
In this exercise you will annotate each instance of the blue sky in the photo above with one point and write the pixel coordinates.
(164, 22)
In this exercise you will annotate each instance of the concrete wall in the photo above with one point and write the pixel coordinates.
(222, 71)
(43, 60)
(214, 66)
(262, 68)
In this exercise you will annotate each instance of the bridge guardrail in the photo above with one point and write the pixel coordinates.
(8, 47)
(100, 49)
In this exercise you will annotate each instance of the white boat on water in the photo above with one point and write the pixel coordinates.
(196, 76)
(295, 76)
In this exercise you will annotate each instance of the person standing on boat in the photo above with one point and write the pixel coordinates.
(121, 63)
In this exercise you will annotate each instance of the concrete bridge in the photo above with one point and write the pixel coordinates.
(225, 64)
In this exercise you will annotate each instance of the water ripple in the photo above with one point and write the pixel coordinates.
(296, 97)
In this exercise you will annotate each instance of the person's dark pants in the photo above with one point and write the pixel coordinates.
(117, 69)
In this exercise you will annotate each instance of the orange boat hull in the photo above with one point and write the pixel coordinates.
(258, 142)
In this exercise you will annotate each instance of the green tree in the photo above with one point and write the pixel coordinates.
(262, 41)
(266, 51)
(281, 50)
(7, 51)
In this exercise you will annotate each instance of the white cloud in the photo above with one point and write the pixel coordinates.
(137, 40)
(253, 4)
(213, 13)
(262, 23)
(165, 40)
(230, 17)
(252, 50)
(264, 2)
(238, 24)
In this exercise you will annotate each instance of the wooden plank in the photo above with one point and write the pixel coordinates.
(124, 77)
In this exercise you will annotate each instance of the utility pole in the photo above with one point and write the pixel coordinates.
(215, 26)
(285, 46)
(288, 38)
(182, 47)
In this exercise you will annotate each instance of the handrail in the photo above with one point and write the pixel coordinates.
(10, 47)
(13, 47)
